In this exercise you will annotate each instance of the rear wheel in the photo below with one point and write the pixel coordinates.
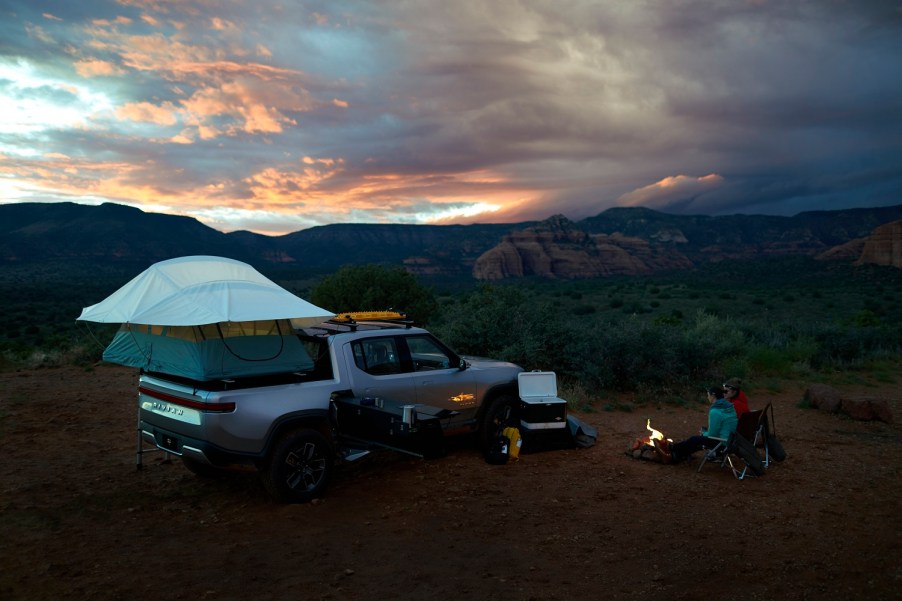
(299, 467)
(501, 411)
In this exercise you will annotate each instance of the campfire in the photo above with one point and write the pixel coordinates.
(644, 448)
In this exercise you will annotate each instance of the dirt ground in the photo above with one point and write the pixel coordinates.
(78, 521)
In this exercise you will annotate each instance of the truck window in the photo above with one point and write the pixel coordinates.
(377, 356)
(427, 354)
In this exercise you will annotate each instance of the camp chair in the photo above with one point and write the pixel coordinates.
(743, 444)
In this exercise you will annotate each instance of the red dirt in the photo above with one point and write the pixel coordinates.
(77, 520)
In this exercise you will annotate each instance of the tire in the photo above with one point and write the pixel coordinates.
(749, 455)
(775, 448)
(299, 467)
(204, 470)
(501, 411)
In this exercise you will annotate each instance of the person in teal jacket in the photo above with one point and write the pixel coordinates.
(722, 422)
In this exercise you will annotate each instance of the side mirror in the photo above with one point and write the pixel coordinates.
(463, 364)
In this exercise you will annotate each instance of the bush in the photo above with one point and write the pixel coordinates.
(502, 322)
(375, 288)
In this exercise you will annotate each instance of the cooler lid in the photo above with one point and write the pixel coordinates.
(537, 384)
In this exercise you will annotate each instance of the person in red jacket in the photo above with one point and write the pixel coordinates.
(733, 392)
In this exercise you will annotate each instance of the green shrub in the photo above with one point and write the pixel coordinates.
(375, 288)
(667, 320)
(865, 318)
(766, 360)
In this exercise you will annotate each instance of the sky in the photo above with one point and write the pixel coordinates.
(275, 116)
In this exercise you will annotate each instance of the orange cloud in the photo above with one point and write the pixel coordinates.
(118, 21)
(227, 97)
(220, 24)
(235, 101)
(280, 187)
(93, 68)
(146, 112)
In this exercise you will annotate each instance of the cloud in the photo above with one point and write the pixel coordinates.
(416, 112)
(94, 68)
(164, 114)
(672, 194)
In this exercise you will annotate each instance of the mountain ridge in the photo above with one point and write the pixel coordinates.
(648, 240)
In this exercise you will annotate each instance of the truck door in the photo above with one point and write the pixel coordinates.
(379, 371)
(438, 379)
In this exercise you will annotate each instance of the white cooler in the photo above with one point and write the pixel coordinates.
(540, 407)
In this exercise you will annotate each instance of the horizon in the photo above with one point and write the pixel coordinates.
(475, 223)
(272, 121)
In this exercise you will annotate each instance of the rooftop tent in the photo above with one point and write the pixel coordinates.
(206, 318)
(192, 291)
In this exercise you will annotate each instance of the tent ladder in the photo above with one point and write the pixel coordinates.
(140, 449)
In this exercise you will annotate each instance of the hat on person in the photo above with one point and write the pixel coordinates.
(735, 383)
(716, 391)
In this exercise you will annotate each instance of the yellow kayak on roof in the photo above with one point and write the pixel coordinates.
(350, 316)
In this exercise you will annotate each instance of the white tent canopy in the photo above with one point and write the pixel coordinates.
(200, 290)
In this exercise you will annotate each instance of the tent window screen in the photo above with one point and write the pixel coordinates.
(211, 351)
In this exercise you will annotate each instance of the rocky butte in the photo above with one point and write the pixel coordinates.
(556, 248)
(884, 246)
(559, 248)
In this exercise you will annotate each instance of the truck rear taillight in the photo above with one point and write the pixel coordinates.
(199, 405)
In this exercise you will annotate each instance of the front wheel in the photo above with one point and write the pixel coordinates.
(299, 467)
(501, 411)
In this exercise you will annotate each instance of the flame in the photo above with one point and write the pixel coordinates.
(655, 435)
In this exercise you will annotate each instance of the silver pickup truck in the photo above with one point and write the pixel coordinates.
(372, 385)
